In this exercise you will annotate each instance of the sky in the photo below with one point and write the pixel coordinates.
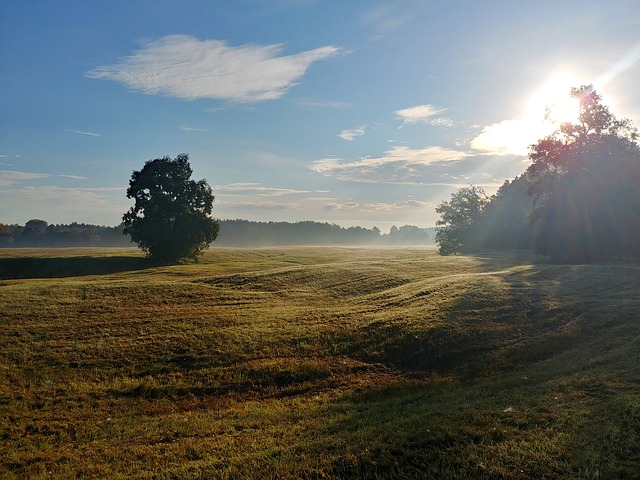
(364, 113)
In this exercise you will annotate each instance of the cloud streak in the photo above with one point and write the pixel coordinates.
(10, 177)
(187, 128)
(323, 104)
(81, 132)
(184, 67)
(398, 165)
(377, 207)
(418, 114)
(256, 189)
(62, 204)
(349, 135)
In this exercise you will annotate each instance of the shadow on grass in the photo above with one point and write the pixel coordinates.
(59, 267)
(548, 343)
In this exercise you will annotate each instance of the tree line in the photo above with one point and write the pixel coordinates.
(38, 233)
(578, 201)
(232, 233)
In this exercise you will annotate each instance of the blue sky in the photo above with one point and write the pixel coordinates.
(354, 113)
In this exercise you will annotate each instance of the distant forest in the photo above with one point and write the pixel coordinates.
(233, 233)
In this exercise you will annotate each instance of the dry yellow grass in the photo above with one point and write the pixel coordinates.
(316, 363)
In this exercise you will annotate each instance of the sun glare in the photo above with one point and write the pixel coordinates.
(553, 102)
(546, 108)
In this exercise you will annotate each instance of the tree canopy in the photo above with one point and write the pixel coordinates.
(459, 217)
(171, 216)
(579, 200)
(585, 182)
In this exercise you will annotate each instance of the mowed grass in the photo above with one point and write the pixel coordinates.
(317, 363)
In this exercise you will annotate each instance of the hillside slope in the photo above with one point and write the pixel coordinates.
(317, 363)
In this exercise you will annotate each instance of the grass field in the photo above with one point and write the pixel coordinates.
(317, 363)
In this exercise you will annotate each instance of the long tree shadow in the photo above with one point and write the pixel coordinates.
(59, 267)
(518, 359)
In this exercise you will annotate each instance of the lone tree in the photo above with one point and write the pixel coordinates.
(459, 217)
(170, 219)
(585, 183)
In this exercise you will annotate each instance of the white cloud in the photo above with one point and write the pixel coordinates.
(325, 104)
(81, 132)
(341, 206)
(10, 177)
(256, 189)
(187, 128)
(376, 207)
(184, 67)
(63, 205)
(266, 205)
(509, 137)
(349, 135)
(398, 165)
(418, 114)
(442, 122)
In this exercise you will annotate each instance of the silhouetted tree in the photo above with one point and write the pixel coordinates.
(6, 235)
(33, 233)
(585, 182)
(504, 224)
(407, 235)
(170, 218)
(459, 217)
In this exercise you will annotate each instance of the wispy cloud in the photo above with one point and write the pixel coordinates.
(256, 189)
(349, 135)
(187, 128)
(442, 122)
(184, 67)
(5, 163)
(378, 206)
(384, 18)
(267, 205)
(256, 197)
(62, 204)
(418, 114)
(399, 164)
(326, 104)
(82, 132)
(10, 177)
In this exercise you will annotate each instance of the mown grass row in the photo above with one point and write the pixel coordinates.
(318, 363)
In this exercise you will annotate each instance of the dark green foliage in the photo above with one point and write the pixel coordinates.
(37, 233)
(233, 233)
(246, 233)
(579, 201)
(504, 224)
(459, 218)
(170, 218)
(6, 238)
(585, 181)
(408, 235)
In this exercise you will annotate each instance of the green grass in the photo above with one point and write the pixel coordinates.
(317, 363)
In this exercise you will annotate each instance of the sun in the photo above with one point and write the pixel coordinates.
(552, 103)
(544, 110)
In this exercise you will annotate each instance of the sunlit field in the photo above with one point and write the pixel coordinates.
(317, 363)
